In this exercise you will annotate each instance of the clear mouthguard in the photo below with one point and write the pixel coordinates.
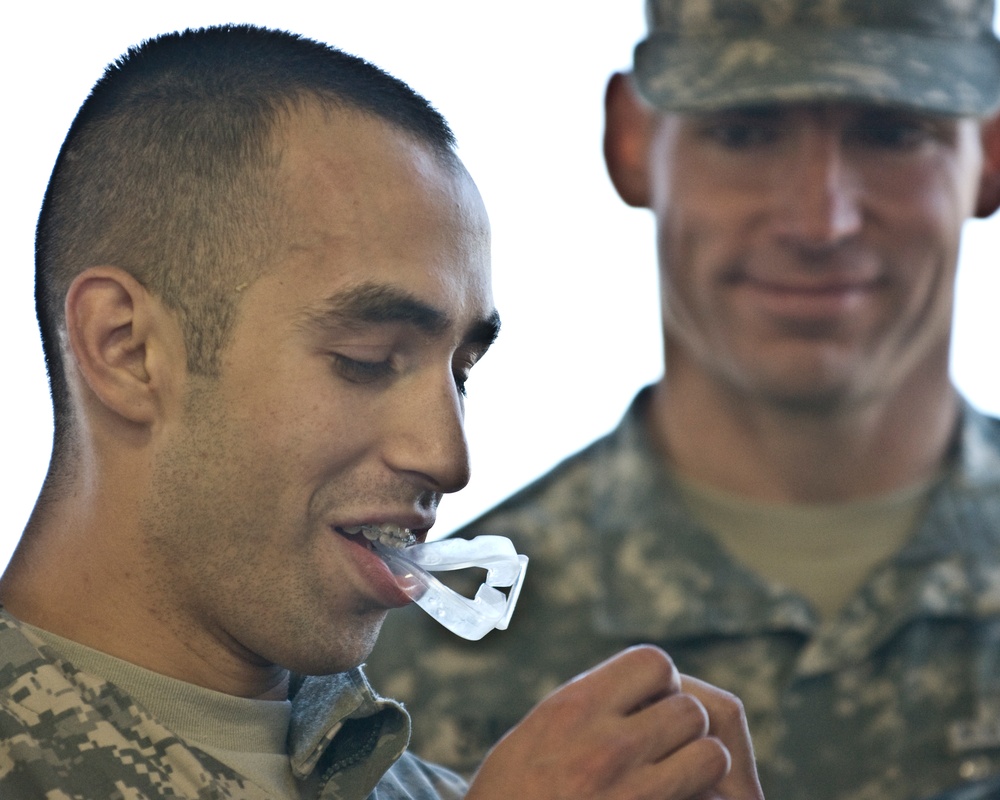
(470, 618)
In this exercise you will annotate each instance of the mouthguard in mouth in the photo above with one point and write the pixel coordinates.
(469, 618)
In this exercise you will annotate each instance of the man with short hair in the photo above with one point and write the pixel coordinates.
(262, 281)
(803, 510)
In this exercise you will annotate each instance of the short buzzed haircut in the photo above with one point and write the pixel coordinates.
(168, 173)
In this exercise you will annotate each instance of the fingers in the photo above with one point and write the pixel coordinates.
(633, 678)
(621, 730)
(667, 725)
(695, 770)
(727, 722)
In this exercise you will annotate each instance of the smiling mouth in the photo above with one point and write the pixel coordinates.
(388, 535)
(807, 288)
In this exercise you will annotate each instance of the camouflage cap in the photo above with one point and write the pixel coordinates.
(940, 56)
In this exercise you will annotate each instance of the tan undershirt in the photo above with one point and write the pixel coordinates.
(248, 735)
(823, 551)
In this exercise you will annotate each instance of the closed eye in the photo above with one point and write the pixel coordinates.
(359, 371)
(466, 358)
(898, 136)
(461, 378)
(741, 135)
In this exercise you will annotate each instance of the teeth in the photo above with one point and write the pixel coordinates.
(388, 535)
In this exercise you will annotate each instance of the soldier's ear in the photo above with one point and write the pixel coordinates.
(628, 128)
(126, 347)
(988, 199)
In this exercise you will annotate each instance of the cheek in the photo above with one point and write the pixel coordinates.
(298, 414)
(931, 295)
(696, 247)
(924, 242)
(309, 443)
(931, 206)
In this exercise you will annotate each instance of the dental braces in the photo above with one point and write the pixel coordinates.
(389, 535)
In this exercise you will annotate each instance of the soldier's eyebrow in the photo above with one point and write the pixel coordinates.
(484, 332)
(384, 304)
(377, 304)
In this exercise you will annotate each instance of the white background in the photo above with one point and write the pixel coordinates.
(522, 83)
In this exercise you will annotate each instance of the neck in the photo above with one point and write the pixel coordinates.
(75, 574)
(776, 452)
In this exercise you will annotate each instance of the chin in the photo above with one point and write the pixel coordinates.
(812, 398)
(342, 651)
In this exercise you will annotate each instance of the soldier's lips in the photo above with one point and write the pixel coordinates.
(390, 591)
(821, 299)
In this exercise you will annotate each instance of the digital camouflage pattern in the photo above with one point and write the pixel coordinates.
(68, 735)
(988, 789)
(933, 55)
(897, 698)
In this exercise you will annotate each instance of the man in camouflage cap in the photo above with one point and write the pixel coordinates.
(803, 510)
(262, 277)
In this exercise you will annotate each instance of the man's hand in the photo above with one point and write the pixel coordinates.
(728, 724)
(630, 728)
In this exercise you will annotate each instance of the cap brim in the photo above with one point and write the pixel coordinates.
(944, 76)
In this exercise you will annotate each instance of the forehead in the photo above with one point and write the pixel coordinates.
(357, 163)
(359, 200)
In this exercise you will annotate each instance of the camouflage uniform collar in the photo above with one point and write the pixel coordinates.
(949, 528)
(338, 726)
(978, 450)
(342, 728)
(664, 578)
(950, 568)
(52, 706)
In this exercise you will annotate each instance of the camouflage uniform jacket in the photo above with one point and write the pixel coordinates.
(68, 734)
(898, 697)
